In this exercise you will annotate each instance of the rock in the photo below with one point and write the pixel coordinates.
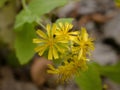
(87, 6)
(64, 11)
(112, 29)
(111, 85)
(106, 5)
(25, 86)
(103, 54)
(72, 86)
(7, 81)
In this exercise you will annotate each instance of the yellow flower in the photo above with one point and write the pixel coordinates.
(77, 60)
(80, 63)
(84, 44)
(47, 41)
(60, 42)
(69, 69)
(63, 30)
(65, 72)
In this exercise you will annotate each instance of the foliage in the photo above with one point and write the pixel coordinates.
(28, 16)
(63, 20)
(112, 72)
(90, 79)
(23, 45)
(65, 68)
(36, 9)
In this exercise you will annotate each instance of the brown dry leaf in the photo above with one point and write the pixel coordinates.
(83, 20)
(38, 70)
(100, 18)
(97, 17)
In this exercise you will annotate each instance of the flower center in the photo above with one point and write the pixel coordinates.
(51, 42)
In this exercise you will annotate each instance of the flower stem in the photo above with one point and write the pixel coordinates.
(24, 4)
(40, 24)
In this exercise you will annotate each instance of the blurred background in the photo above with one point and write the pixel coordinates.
(21, 69)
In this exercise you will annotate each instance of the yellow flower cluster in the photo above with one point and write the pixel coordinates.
(60, 42)
(68, 69)
(53, 40)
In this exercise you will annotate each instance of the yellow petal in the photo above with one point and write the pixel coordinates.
(74, 33)
(80, 54)
(42, 50)
(76, 40)
(48, 27)
(68, 26)
(37, 49)
(64, 41)
(61, 50)
(51, 67)
(55, 53)
(54, 29)
(38, 40)
(84, 34)
(61, 25)
(41, 34)
(73, 38)
(50, 54)
(51, 72)
(58, 33)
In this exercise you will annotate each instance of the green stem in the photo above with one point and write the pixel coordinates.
(24, 4)
(26, 8)
(40, 24)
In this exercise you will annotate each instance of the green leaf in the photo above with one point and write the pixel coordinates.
(40, 7)
(36, 9)
(23, 43)
(63, 20)
(112, 72)
(90, 79)
(25, 16)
